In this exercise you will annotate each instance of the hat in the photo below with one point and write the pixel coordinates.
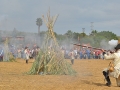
(117, 47)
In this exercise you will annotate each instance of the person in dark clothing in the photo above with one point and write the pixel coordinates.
(1, 54)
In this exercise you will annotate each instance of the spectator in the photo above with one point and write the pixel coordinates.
(26, 54)
(1, 54)
(81, 54)
(72, 54)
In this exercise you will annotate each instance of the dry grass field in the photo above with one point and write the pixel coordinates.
(89, 77)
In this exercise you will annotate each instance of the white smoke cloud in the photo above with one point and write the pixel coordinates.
(104, 44)
(3, 20)
(113, 42)
(108, 45)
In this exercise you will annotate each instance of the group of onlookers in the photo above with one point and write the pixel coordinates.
(28, 53)
(23, 52)
(84, 53)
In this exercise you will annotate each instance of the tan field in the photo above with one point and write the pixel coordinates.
(89, 77)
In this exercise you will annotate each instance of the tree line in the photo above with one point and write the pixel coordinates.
(94, 38)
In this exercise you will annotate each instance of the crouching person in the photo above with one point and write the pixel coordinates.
(113, 69)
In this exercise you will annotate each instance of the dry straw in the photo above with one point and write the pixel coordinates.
(50, 60)
(8, 56)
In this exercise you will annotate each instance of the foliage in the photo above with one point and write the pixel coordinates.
(118, 37)
(94, 32)
(39, 23)
(69, 34)
(8, 56)
(60, 38)
(108, 35)
(11, 57)
(93, 40)
(97, 40)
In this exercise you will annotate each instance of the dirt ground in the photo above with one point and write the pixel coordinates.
(89, 77)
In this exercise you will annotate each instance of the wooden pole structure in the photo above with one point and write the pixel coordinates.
(50, 59)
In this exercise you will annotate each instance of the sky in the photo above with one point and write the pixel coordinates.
(74, 15)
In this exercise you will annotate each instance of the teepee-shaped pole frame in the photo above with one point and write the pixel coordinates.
(50, 59)
(50, 21)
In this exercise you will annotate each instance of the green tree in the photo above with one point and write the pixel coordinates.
(118, 37)
(97, 40)
(39, 23)
(60, 38)
(76, 35)
(82, 35)
(69, 36)
(107, 35)
(94, 32)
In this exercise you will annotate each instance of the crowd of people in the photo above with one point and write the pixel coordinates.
(28, 53)
(84, 53)
(21, 52)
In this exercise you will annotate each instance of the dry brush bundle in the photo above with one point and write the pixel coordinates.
(50, 59)
(7, 54)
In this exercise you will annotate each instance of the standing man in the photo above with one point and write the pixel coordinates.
(1, 54)
(72, 54)
(26, 54)
(75, 53)
(81, 54)
(88, 53)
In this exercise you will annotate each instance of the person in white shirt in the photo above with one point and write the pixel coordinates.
(72, 56)
(26, 54)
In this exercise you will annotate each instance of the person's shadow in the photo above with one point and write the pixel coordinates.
(93, 83)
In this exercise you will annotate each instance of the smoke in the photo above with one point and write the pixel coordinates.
(3, 20)
(21, 39)
(108, 45)
(104, 44)
(113, 43)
